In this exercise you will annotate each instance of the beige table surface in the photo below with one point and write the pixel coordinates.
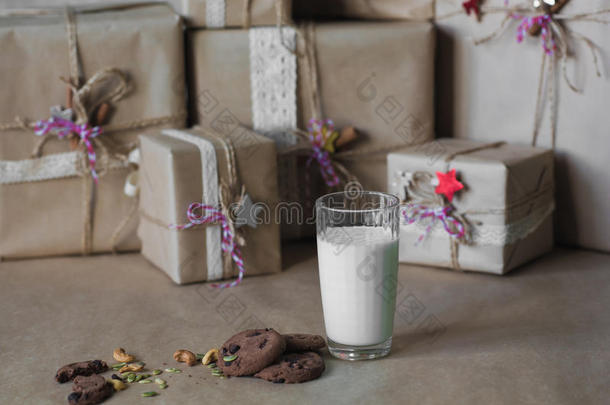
(539, 335)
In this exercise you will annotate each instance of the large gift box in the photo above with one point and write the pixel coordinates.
(376, 77)
(365, 9)
(63, 170)
(234, 174)
(498, 82)
(472, 205)
(235, 13)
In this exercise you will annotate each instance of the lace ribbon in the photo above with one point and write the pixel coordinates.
(273, 78)
(215, 11)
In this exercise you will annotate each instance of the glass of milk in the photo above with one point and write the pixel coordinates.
(357, 235)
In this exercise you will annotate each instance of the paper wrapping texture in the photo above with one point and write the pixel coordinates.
(377, 77)
(262, 12)
(144, 42)
(364, 9)
(493, 179)
(171, 179)
(495, 83)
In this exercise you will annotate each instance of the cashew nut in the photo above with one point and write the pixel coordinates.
(132, 367)
(118, 385)
(185, 356)
(210, 357)
(120, 355)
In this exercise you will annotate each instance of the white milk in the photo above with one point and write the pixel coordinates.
(358, 266)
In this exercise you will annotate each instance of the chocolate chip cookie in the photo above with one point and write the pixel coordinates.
(294, 368)
(68, 372)
(302, 342)
(90, 390)
(250, 351)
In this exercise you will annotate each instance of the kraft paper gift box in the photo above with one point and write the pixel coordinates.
(497, 81)
(500, 219)
(131, 56)
(376, 77)
(365, 9)
(235, 13)
(180, 167)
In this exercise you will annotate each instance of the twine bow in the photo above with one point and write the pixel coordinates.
(63, 127)
(212, 215)
(424, 204)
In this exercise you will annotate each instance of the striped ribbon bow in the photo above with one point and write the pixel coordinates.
(320, 132)
(63, 127)
(454, 227)
(212, 215)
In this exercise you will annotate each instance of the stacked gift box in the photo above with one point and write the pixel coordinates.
(287, 102)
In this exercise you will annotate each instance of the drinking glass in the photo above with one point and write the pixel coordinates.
(357, 238)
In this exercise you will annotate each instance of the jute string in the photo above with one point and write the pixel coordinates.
(82, 105)
(231, 194)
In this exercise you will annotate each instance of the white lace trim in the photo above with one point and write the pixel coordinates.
(273, 79)
(55, 166)
(492, 235)
(210, 196)
(215, 13)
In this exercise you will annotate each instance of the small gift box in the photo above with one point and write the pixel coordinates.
(235, 13)
(296, 74)
(202, 194)
(84, 83)
(472, 205)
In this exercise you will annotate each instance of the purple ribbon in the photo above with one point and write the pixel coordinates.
(63, 127)
(452, 226)
(212, 215)
(548, 43)
(316, 137)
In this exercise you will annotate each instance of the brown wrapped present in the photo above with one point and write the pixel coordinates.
(235, 13)
(473, 205)
(365, 9)
(548, 98)
(375, 77)
(235, 174)
(122, 74)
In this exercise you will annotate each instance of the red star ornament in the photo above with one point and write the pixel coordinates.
(447, 184)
